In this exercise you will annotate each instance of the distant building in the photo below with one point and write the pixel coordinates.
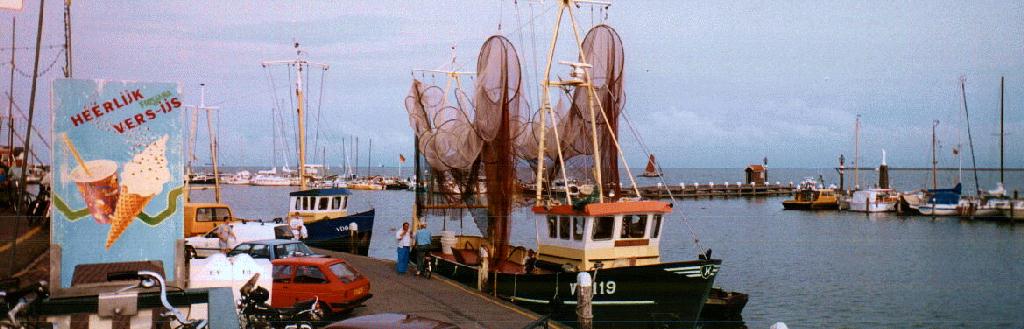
(756, 174)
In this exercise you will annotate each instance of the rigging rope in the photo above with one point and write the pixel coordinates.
(319, 103)
(643, 146)
(519, 30)
(44, 71)
(532, 19)
(25, 117)
(51, 46)
(273, 113)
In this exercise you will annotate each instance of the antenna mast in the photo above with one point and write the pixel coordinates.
(299, 64)
(213, 137)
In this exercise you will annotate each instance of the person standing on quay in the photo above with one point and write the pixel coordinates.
(404, 240)
(422, 246)
(224, 236)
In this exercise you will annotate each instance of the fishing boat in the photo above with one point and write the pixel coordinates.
(812, 197)
(324, 212)
(614, 239)
(651, 170)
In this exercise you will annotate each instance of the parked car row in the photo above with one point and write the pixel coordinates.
(299, 274)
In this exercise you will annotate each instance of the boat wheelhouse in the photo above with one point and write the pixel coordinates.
(613, 234)
(317, 204)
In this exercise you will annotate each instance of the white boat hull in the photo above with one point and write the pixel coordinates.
(873, 207)
(938, 210)
(271, 182)
(1013, 210)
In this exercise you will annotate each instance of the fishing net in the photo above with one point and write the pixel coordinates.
(498, 121)
(602, 49)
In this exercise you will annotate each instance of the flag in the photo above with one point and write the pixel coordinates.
(401, 158)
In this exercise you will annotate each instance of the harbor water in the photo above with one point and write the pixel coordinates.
(807, 269)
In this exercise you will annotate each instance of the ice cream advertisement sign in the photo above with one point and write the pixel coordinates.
(118, 172)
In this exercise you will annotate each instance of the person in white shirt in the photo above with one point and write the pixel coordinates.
(404, 239)
(298, 228)
(484, 259)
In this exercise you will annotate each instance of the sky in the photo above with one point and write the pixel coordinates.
(708, 84)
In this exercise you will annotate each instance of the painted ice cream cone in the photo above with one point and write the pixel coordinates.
(142, 179)
(129, 205)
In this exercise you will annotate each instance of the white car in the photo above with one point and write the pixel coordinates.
(203, 246)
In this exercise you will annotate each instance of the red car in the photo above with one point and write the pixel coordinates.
(337, 284)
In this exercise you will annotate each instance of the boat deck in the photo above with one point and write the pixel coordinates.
(436, 298)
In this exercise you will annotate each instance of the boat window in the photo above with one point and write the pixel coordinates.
(298, 203)
(305, 203)
(309, 274)
(344, 203)
(577, 228)
(603, 227)
(336, 204)
(656, 226)
(563, 227)
(282, 273)
(633, 226)
(552, 227)
(323, 203)
(204, 215)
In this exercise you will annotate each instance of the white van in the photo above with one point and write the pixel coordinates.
(207, 244)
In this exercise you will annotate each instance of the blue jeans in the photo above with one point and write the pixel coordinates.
(402, 263)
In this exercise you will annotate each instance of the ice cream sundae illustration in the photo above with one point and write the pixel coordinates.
(142, 179)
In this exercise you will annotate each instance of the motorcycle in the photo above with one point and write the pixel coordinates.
(254, 312)
(21, 300)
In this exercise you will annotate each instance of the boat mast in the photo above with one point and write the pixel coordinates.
(299, 63)
(10, 95)
(565, 6)
(213, 137)
(856, 154)
(31, 108)
(1002, 89)
(935, 161)
(970, 140)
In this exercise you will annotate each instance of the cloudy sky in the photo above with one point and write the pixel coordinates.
(708, 84)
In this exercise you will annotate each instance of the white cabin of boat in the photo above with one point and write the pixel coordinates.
(615, 234)
(317, 204)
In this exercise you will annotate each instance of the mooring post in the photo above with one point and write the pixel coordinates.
(353, 230)
(584, 312)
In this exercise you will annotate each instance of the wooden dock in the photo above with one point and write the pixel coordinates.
(436, 298)
(710, 190)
